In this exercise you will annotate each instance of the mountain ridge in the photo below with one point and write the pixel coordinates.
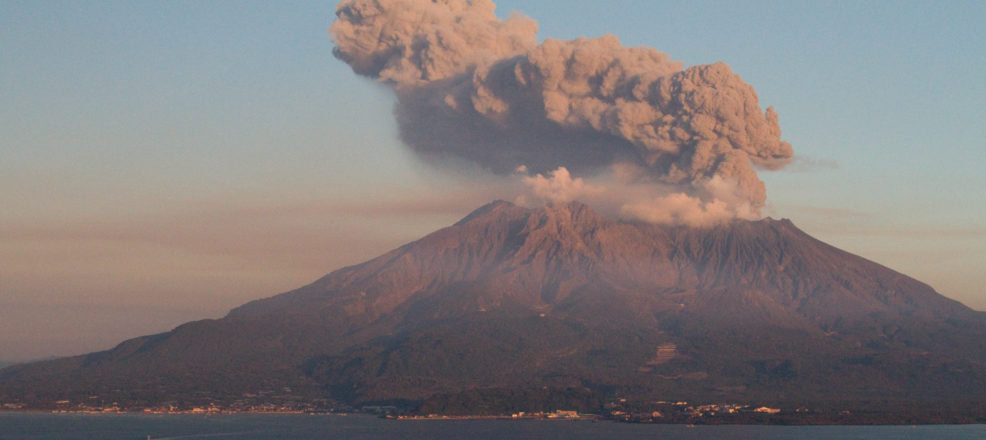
(560, 296)
(499, 238)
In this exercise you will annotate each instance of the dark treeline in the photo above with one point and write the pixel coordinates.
(503, 401)
(506, 401)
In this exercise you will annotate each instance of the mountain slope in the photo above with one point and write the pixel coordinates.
(560, 296)
(504, 256)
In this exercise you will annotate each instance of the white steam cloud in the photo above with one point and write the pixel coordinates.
(474, 87)
(559, 186)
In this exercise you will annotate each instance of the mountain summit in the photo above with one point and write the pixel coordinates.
(561, 296)
(561, 256)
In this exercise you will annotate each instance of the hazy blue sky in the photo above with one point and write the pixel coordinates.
(166, 161)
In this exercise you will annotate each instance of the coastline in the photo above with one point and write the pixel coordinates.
(691, 421)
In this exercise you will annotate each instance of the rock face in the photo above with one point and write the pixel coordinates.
(561, 296)
(569, 261)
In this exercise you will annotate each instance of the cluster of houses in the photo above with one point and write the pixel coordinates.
(618, 410)
(615, 410)
(256, 403)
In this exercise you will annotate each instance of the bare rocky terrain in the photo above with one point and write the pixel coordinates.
(561, 297)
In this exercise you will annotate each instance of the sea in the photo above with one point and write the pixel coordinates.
(332, 426)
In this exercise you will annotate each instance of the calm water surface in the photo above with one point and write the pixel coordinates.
(291, 426)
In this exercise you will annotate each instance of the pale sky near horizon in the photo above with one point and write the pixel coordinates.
(162, 162)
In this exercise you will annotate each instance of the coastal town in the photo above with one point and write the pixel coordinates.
(617, 410)
(612, 410)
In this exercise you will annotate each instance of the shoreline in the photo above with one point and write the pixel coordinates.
(681, 422)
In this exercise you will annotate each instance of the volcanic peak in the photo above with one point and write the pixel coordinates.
(564, 256)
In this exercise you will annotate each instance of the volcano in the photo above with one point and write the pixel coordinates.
(560, 296)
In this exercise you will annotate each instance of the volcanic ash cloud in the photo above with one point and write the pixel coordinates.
(678, 145)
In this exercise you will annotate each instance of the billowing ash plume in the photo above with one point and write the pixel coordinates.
(471, 86)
